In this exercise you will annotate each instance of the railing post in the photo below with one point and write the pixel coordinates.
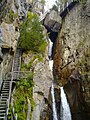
(6, 110)
(16, 116)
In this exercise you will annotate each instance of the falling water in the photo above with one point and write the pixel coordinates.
(53, 104)
(52, 89)
(50, 49)
(52, 93)
(65, 110)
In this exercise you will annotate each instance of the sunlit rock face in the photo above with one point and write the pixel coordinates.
(41, 91)
(8, 35)
(71, 59)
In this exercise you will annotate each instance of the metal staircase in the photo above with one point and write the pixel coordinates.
(5, 94)
(16, 64)
(4, 99)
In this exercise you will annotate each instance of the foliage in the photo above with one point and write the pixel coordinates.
(11, 17)
(42, 1)
(26, 67)
(31, 37)
(23, 90)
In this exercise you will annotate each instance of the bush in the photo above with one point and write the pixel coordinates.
(31, 37)
(23, 90)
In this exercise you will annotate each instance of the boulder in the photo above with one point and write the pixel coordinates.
(53, 21)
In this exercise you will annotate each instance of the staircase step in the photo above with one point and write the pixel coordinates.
(2, 107)
(6, 82)
(7, 79)
(3, 102)
(2, 117)
(4, 97)
(5, 94)
(4, 89)
(2, 111)
(6, 86)
(2, 114)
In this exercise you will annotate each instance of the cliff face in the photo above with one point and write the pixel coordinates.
(12, 14)
(43, 81)
(71, 59)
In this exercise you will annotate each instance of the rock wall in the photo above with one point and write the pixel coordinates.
(10, 27)
(11, 17)
(71, 59)
(43, 81)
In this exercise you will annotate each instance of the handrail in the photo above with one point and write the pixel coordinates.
(14, 115)
(11, 77)
(67, 4)
(20, 74)
(43, 16)
(9, 98)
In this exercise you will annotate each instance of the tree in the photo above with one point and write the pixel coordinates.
(31, 37)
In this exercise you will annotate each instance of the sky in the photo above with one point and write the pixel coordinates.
(49, 4)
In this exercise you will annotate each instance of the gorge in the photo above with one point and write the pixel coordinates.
(44, 61)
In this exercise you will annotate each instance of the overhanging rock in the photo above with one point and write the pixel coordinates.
(53, 21)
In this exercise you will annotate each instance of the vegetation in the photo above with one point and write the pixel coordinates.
(27, 67)
(11, 17)
(23, 91)
(31, 37)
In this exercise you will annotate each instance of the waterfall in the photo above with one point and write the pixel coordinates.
(54, 104)
(65, 110)
(52, 88)
(52, 93)
(50, 49)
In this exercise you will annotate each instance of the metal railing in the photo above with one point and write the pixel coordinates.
(11, 77)
(66, 5)
(63, 7)
(17, 75)
(13, 114)
(43, 16)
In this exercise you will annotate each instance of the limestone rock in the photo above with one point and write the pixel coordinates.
(43, 80)
(9, 35)
(53, 21)
(73, 53)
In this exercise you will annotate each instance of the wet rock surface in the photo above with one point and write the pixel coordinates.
(71, 60)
